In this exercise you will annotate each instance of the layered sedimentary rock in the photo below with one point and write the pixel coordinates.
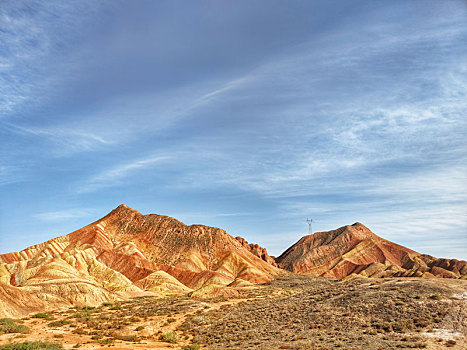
(128, 254)
(356, 251)
(125, 254)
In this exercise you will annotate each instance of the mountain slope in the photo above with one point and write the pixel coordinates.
(124, 254)
(355, 250)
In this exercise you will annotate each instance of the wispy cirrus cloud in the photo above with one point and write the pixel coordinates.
(114, 176)
(67, 138)
(10, 174)
(31, 33)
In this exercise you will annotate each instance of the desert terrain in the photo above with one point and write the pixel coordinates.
(291, 312)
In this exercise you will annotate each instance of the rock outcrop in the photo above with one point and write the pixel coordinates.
(125, 254)
(355, 251)
(257, 250)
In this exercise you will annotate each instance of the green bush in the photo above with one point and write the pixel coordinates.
(170, 337)
(43, 315)
(37, 345)
(7, 325)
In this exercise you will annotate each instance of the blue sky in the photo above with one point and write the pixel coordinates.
(246, 115)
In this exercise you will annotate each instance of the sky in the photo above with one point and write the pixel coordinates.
(250, 115)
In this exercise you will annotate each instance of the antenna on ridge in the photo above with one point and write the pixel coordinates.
(309, 221)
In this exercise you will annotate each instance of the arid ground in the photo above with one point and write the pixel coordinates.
(291, 312)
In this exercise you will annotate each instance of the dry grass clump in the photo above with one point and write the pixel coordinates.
(170, 337)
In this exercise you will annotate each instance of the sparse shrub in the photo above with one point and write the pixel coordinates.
(42, 315)
(130, 338)
(59, 323)
(58, 336)
(37, 345)
(403, 326)
(198, 320)
(191, 347)
(386, 326)
(7, 325)
(170, 337)
(422, 323)
(435, 297)
(139, 328)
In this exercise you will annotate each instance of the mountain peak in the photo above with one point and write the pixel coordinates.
(123, 208)
(340, 252)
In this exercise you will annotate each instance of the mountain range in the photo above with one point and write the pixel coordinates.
(127, 254)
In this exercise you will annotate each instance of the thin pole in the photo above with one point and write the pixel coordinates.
(309, 221)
